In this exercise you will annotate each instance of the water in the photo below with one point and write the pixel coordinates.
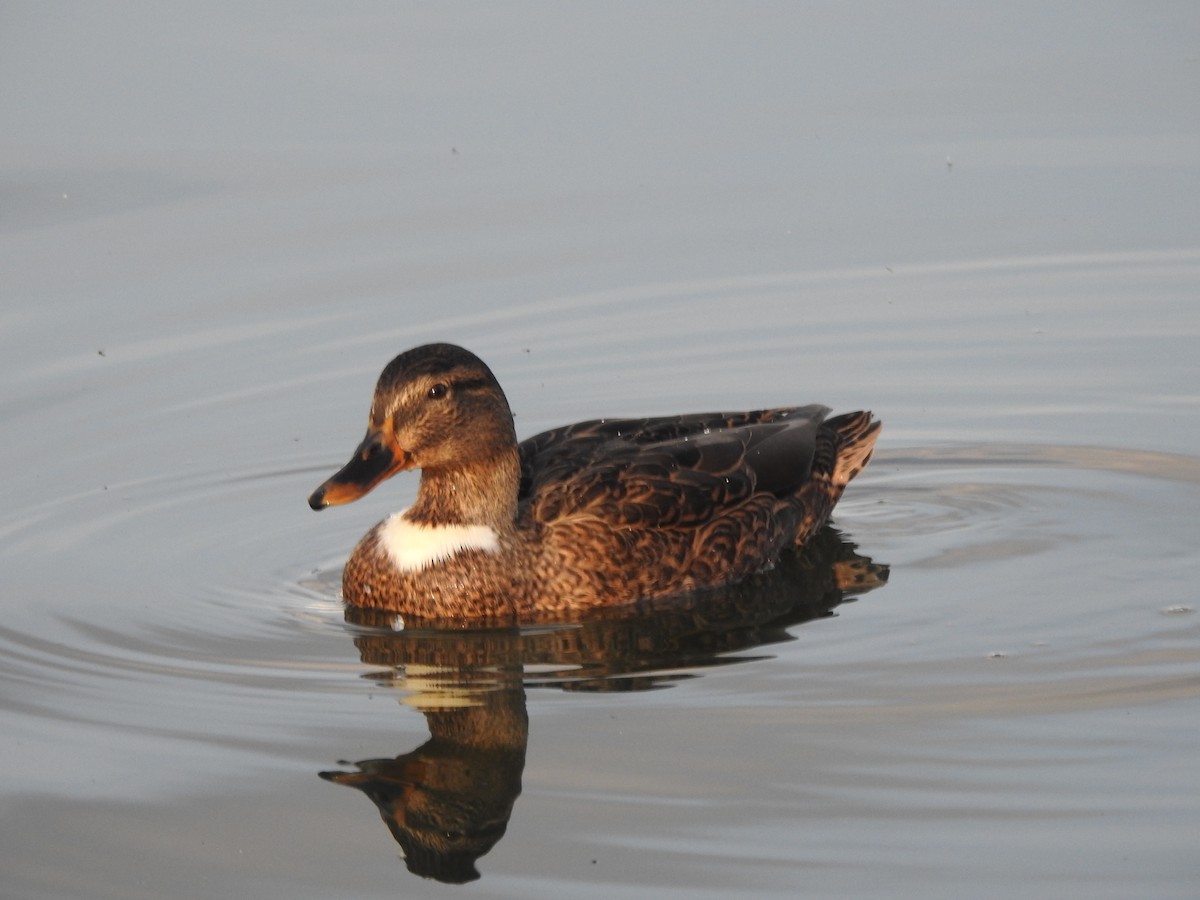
(622, 217)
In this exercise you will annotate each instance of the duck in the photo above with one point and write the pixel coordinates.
(597, 515)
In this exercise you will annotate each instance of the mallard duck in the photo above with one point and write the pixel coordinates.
(602, 513)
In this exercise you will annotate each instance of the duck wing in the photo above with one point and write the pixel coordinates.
(674, 471)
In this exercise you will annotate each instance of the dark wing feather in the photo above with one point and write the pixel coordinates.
(653, 473)
(555, 453)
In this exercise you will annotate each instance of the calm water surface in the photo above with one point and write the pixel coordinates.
(985, 683)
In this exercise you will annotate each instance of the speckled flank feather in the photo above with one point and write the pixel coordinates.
(600, 513)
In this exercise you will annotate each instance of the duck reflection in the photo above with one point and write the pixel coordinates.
(448, 802)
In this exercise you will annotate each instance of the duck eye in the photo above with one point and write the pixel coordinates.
(437, 391)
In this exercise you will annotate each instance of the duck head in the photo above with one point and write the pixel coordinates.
(437, 408)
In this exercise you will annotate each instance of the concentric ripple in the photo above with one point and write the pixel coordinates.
(172, 635)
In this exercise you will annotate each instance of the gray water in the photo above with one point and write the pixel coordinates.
(218, 223)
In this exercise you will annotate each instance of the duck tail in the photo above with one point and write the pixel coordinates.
(857, 434)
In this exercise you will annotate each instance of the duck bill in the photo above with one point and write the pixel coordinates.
(376, 459)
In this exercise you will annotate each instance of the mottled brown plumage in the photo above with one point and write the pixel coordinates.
(597, 514)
